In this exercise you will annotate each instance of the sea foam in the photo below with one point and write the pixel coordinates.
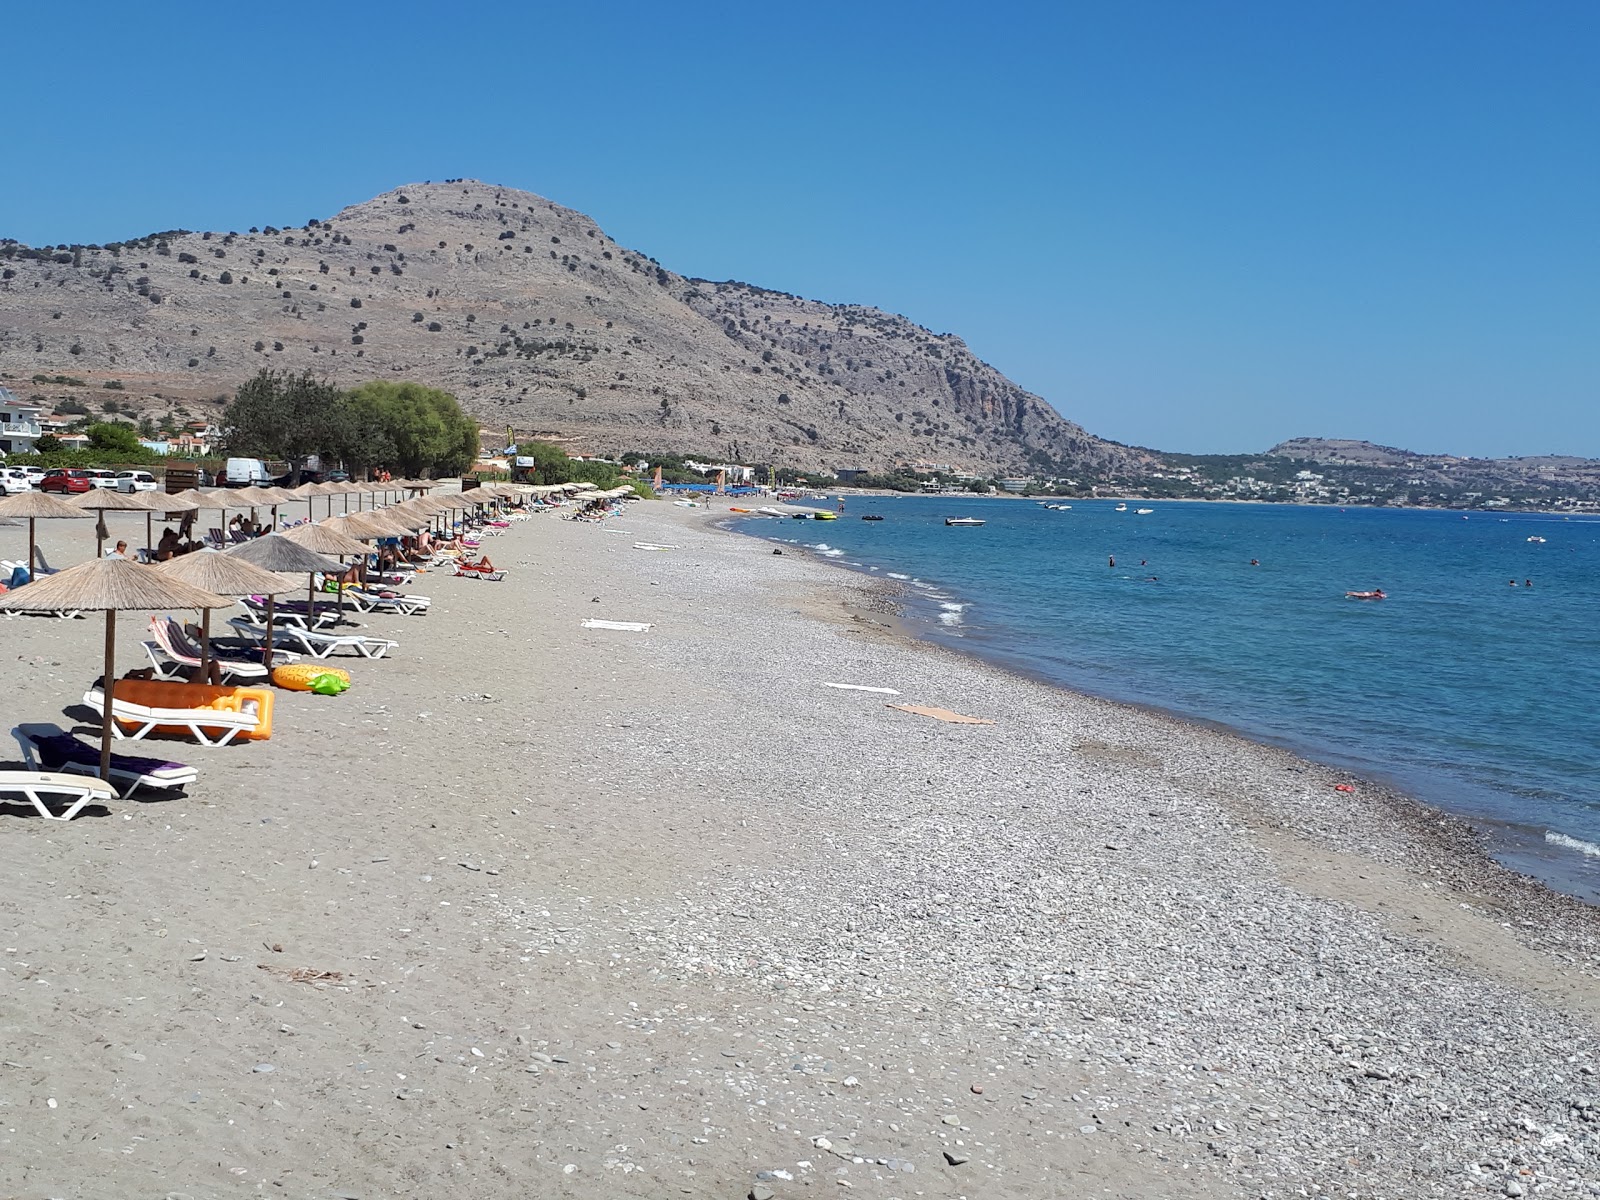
(1587, 849)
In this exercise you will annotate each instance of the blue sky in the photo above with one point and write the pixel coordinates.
(1194, 226)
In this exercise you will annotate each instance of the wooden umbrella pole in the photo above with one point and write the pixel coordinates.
(266, 653)
(110, 694)
(147, 539)
(32, 552)
(208, 665)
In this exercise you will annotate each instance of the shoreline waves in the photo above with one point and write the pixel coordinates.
(1327, 683)
(649, 913)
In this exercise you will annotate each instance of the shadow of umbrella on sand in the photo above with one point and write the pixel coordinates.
(274, 552)
(34, 505)
(114, 585)
(225, 575)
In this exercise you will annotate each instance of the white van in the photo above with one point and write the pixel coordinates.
(245, 472)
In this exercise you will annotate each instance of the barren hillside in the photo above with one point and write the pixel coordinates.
(537, 320)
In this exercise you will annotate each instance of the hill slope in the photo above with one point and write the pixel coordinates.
(536, 319)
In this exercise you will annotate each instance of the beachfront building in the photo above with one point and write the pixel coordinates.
(1014, 484)
(19, 424)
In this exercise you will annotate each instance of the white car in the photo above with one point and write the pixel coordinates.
(14, 480)
(34, 474)
(101, 478)
(135, 481)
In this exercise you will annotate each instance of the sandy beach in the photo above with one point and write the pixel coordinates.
(541, 910)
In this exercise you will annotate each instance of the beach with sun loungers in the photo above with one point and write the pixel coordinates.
(690, 873)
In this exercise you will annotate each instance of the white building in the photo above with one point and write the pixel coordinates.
(19, 424)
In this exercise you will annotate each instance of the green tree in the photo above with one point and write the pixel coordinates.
(428, 432)
(551, 464)
(285, 416)
(122, 440)
(48, 444)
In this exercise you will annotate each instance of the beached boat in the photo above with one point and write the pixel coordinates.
(962, 521)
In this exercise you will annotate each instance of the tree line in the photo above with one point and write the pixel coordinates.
(406, 428)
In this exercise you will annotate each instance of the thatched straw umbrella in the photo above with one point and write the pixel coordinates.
(323, 538)
(114, 585)
(104, 500)
(225, 575)
(34, 505)
(275, 552)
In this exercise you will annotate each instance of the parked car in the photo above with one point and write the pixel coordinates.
(101, 478)
(136, 481)
(65, 479)
(14, 480)
(34, 474)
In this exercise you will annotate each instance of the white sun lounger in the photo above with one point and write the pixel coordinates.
(318, 645)
(223, 725)
(35, 786)
(127, 773)
(168, 665)
(403, 603)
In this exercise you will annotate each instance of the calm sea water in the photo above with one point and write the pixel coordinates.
(1469, 693)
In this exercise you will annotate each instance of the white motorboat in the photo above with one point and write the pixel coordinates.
(962, 521)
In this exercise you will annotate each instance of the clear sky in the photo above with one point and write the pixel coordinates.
(1200, 225)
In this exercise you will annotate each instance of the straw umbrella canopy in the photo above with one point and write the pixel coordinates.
(369, 525)
(104, 500)
(226, 576)
(325, 538)
(275, 552)
(113, 585)
(34, 505)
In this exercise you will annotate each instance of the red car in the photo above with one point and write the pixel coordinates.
(62, 479)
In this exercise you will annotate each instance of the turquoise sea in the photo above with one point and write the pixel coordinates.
(1467, 692)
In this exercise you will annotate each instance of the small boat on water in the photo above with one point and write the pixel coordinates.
(1374, 594)
(962, 521)
(1143, 512)
(824, 516)
(1059, 507)
(1122, 508)
(871, 517)
(1536, 539)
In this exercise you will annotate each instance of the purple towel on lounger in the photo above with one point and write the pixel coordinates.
(55, 752)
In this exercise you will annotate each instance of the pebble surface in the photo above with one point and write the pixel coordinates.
(603, 912)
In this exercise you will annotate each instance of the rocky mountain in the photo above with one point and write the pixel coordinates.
(536, 319)
(1532, 480)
